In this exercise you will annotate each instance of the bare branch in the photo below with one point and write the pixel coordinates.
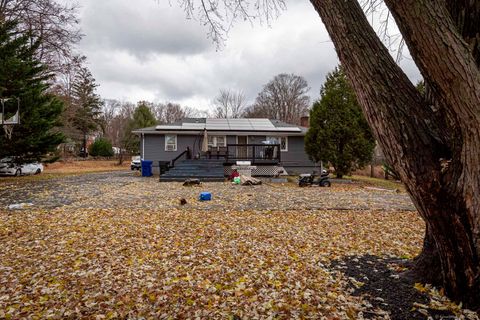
(229, 104)
(219, 15)
(283, 98)
(55, 24)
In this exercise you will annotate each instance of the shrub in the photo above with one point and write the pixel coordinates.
(101, 148)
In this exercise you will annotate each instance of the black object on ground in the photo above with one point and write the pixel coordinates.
(191, 182)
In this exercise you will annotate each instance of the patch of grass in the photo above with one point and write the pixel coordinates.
(38, 177)
(86, 166)
(45, 176)
(378, 183)
(65, 169)
(292, 179)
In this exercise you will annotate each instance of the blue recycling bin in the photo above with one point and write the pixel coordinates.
(147, 168)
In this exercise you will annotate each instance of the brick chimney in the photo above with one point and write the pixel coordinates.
(305, 122)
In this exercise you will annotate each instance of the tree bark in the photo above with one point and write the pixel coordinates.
(439, 167)
(447, 61)
(466, 16)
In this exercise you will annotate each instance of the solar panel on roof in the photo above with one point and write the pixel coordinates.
(236, 121)
(199, 126)
(243, 128)
(217, 121)
(230, 124)
(167, 127)
(263, 127)
(290, 129)
(218, 127)
(260, 120)
(261, 124)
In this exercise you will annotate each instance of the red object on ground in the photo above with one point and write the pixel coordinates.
(234, 175)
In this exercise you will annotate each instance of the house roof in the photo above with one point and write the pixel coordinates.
(227, 125)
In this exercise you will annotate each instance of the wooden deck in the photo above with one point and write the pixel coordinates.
(265, 154)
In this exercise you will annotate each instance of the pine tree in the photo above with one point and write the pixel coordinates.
(87, 104)
(142, 118)
(339, 133)
(24, 78)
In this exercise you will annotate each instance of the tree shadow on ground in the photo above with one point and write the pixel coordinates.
(386, 288)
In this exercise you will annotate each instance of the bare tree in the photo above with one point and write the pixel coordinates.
(110, 109)
(116, 116)
(229, 104)
(219, 15)
(283, 98)
(170, 112)
(57, 25)
(432, 141)
(67, 73)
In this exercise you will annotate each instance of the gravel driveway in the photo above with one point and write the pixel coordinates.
(128, 190)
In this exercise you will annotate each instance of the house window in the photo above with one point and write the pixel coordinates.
(170, 142)
(283, 144)
(282, 141)
(217, 141)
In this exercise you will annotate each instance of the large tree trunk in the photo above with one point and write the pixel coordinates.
(437, 160)
(446, 60)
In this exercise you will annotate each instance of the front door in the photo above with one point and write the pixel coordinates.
(242, 151)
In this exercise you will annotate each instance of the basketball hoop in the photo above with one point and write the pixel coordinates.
(10, 122)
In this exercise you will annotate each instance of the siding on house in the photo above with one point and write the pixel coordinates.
(155, 147)
(296, 155)
(189, 133)
(295, 160)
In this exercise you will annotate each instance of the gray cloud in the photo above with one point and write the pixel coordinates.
(148, 50)
(141, 28)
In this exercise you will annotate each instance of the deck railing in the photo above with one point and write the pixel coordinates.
(187, 153)
(255, 153)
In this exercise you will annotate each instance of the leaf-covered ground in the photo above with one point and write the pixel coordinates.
(121, 190)
(122, 247)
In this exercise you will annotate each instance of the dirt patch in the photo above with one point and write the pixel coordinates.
(382, 282)
(85, 166)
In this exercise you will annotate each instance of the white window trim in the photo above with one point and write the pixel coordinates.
(241, 136)
(286, 144)
(173, 135)
(215, 144)
(280, 142)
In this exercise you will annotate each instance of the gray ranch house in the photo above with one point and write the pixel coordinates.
(207, 148)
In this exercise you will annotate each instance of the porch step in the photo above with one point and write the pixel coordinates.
(182, 179)
(204, 169)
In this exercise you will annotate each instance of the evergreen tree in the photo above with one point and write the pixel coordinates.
(339, 133)
(142, 118)
(87, 105)
(24, 78)
(101, 148)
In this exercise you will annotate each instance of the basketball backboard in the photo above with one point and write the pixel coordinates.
(12, 117)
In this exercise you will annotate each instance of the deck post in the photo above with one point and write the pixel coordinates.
(279, 153)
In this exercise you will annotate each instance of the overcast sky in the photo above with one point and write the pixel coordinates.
(148, 50)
